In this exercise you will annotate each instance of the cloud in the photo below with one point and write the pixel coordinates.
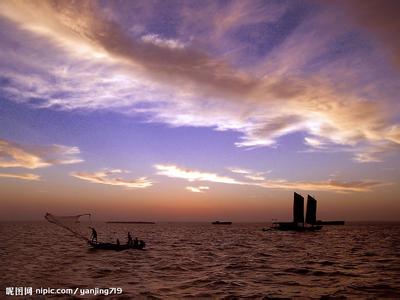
(239, 170)
(14, 155)
(108, 177)
(329, 185)
(199, 189)
(193, 175)
(249, 174)
(379, 17)
(255, 177)
(376, 153)
(300, 84)
(23, 176)
(367, 157)
(312, 142)
(157, 40)
(173, 171)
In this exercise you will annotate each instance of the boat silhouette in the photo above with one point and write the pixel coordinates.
(116, 247)
(298, 223)
(221, 223)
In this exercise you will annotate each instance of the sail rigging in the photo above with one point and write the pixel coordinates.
(69, 223)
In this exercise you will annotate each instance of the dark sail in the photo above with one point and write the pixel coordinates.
(311, 213)
(298, 208)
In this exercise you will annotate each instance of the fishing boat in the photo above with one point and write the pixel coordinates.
(72, 225)
(221, 223)
(116, 247)
(298, 223)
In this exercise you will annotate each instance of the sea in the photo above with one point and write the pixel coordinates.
(201, 260)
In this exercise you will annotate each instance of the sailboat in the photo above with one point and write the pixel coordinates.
(298, 223)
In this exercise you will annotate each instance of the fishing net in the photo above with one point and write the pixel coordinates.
(74, 224)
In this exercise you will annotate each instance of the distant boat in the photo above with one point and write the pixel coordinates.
(221, 223)
(129, 222)
(298, 223)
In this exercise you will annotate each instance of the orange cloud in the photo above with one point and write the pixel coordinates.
(13, 155)
(23, 176)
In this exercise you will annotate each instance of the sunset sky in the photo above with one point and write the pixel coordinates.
(199, 110)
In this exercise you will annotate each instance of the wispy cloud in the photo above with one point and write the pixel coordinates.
(249, 174)
(240, 170)
(299, 85)
(193, 175)
(23, 176)
(313, 142)
(109, 177)
(14, 155)
(198, 189)
(328, 185)
(157, 40)
(367, 157)
(255, 177)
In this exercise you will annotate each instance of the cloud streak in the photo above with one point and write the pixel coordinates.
(199, 189)
(249, 174)
(14, 155)
(173, 171)
(328, 186)
(108, 177)
(22, 176)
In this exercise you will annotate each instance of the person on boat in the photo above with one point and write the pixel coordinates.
(135, 242)
(118, 243)
(94, 235)
(130, 240)
(141, 244)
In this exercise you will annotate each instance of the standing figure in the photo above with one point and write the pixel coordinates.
(94, 235)
(130, 241)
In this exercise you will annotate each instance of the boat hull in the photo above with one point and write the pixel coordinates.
(329, 222)
(289, 226)
(115, 247)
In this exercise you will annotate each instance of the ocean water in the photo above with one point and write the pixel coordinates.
(204, 260)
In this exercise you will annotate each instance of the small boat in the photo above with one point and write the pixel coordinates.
(116, 247)
(130, 222)
(221, 223)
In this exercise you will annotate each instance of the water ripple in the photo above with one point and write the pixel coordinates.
(205, 261)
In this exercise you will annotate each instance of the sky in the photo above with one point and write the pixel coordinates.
(199, 110)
